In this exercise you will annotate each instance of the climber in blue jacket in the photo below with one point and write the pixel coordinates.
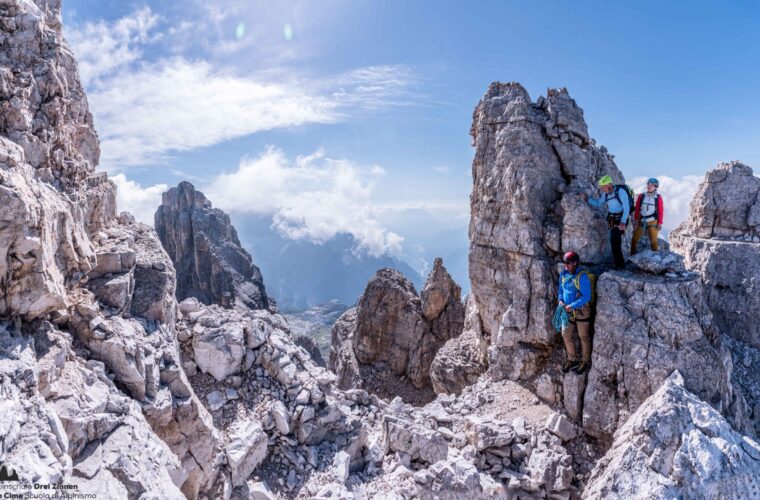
(575, 294)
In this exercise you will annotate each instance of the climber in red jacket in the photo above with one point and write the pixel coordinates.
(648, 215)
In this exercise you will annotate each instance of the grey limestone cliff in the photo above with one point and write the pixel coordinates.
(211, 264)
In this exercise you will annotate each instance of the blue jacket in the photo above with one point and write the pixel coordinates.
(569, 294)
(613, 205)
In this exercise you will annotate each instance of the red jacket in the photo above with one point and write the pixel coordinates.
(660, 210)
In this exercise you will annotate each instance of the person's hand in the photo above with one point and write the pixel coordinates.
(585, 196)
(622, 227)
(659, 227)
(568, 309)
(635, 224)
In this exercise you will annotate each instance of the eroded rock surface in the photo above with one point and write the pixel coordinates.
(394, 330)
(721, 241)
(52, 200)
(677, 446)
(204, 246)
(461, 360)
(532, 162)
(648, 326)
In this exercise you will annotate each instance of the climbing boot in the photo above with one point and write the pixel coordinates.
(583, 367)
(569, 365)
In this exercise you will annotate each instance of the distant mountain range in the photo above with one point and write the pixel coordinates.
(300, 274)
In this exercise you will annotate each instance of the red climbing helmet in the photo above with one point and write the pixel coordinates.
(570, 257)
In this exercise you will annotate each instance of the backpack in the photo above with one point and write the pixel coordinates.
(592, 282)
(631, 203)
(656, 214)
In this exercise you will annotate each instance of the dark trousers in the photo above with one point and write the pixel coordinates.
(616, 242)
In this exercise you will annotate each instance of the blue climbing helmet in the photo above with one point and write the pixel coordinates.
(653, 180)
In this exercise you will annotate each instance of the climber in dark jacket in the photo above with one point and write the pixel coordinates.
(577, 302)
(618, 212)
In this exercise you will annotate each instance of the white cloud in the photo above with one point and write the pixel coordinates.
(179, 105)
(373, 88)
(137, 200)
(676, 196)
(442, 169)
(102, 48)
(313, 197)
(148, 108)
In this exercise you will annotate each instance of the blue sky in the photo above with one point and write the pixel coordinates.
(354, 113)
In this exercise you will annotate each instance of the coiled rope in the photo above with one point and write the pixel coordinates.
(561, 319)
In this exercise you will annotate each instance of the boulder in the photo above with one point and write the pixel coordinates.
(420, 443)
(220, 351)
(281, 418)
(550, 469)
(451, 478)
(573, 389)
(660, 262)
(484, 434)
(260, 491)
(247, 448)
(560, 426)
(462, 359)
(341, 466)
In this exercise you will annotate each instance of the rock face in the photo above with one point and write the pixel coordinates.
(532, 162)
(134, 339)
(390, 325)
(342, 358)
(461, 360)
(44, 108)
(48, 146)
(677, 446)
(70, 419)
(393, 327)
(204, 246)
(647, 326)
(721, 241)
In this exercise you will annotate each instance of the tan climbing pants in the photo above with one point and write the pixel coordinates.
(639, 231)
(580, 323)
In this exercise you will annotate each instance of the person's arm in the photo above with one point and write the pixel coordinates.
(585, 297)
(595, 202)
(660, 211)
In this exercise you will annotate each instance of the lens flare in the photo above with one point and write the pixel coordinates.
(288, 32)
(240, 31)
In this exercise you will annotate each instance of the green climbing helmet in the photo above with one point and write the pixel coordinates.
(605, 181)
